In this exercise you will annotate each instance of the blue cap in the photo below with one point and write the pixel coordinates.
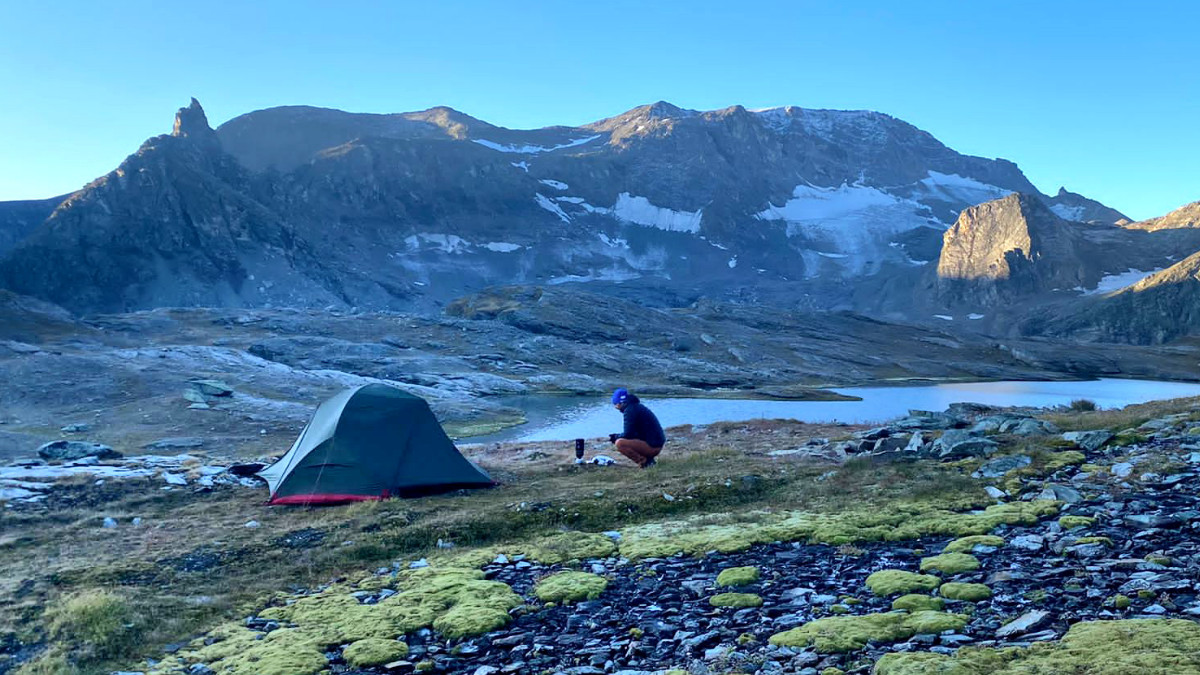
(620, 395)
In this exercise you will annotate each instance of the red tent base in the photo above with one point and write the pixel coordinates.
(323, 499)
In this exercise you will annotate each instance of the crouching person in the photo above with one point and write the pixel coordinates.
(643, 437)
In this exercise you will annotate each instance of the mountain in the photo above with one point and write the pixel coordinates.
(18, 219)
(301, 206)
(1184, 217)
(1018, 250)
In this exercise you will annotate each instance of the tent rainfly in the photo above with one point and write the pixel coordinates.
(370, 442)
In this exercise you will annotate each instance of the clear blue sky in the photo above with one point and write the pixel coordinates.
(1101, 98)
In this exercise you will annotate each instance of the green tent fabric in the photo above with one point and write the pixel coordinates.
(371, 442)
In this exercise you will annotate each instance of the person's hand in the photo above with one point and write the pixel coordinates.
(612, 438)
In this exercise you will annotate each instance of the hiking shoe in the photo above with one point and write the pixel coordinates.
(649, 463)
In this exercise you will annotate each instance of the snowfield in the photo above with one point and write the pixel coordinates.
(532, 149)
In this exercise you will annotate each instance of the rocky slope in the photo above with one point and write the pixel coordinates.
(18, 219)
(301, 206)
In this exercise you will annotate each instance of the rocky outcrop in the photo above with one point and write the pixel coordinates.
(1184, 217)
(18, 219)
(1010, 247)
(1075, 207)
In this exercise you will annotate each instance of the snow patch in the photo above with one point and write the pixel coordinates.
(550, 206)
(521, 165)
(1065, 212)
(570, 200)
(447, 243)
(615, 242)
(943, 317)
(1115, 282)
(556, 184)
(733, 262)
(502, 246)
(975, 317)
(595, 275)
(640, 211)
(532, 149)
(955, 188)
(832, 255)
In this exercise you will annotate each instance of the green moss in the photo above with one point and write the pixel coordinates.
(1119, 601)
(1061, 460)
(424, 666)
(891, 582)
(1145, 595)
(374, 652)
(833, 671)
(850, 633)
(1094, 540)
(570, 587)
(1142, 646)
(456, 602)
(915, 602)
(1071, 522)
(1163, 560)
(950, 563)
(746, 639)
(727, 533)
(96, 624)
(737, 576)
(636, 633)
(966, 544)
(735, 600)
(555, 549)
(839, 609)
(968, 592)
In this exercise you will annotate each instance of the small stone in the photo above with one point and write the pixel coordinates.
(418, 564)
(1023, 624)
(110, 523)
(251, 524)
(995, 492)
(1028, 542)
(1122, 469)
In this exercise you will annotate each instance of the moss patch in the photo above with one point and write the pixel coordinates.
(728, 533)
(98, 622)
(968, 592)
(555, 549)
(891, 582)
(737, 576)
(1072, 522)
(455, 602)
(735, 600)
(374, 652)
(966, 544)
(570, 587)
(950, 563)
(915, 602)
(1143, 646)
(850, 633)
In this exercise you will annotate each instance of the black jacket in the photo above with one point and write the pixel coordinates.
(641, 424)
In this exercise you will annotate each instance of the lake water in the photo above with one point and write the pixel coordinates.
(559, 418)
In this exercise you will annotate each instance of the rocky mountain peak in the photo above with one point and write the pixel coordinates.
(191, 121)
(1014, 244)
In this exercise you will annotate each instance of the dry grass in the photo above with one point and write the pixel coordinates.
(1125, 418)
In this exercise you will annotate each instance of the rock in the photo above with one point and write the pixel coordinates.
(1061, 493)
(1089, 440)
(252, 524)
(958, 443)
(66, 451)
(174, 478)
(996, 468)
(995, 492)
(1028, 542)
(110, 523)
(916, 443)
(1030, 427)
(1122, 469)
(211, 387)
(75, 428)
(246, 470)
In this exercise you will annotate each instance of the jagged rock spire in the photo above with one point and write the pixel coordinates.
(191, 121)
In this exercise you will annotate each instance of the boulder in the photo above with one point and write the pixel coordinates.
(1061, 493)
(68, 451)
(1089, 440)
(1023, 624)
(958, 443)
(1002, 465)
(211, 387)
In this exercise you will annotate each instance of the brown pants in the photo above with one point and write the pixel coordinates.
(637, 450)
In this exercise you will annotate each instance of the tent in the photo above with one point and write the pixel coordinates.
(371, 442)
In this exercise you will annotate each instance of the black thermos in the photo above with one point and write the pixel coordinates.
(578, 448)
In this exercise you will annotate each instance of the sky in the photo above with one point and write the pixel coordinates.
(1100, 97)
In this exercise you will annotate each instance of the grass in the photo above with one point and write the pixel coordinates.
(1128, 417)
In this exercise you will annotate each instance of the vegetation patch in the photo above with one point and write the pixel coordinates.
(570, 587)
(456, 602)
(950, 563)
(892, 582)
(735, 600)
(728, 533)
(1072, 522)
(850, 633)
(374, 652)
(967, 544)
(737, 576)
(968, 592)
(915, 602)
(1143, 646)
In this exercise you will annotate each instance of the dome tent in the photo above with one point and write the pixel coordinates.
(370, 442)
